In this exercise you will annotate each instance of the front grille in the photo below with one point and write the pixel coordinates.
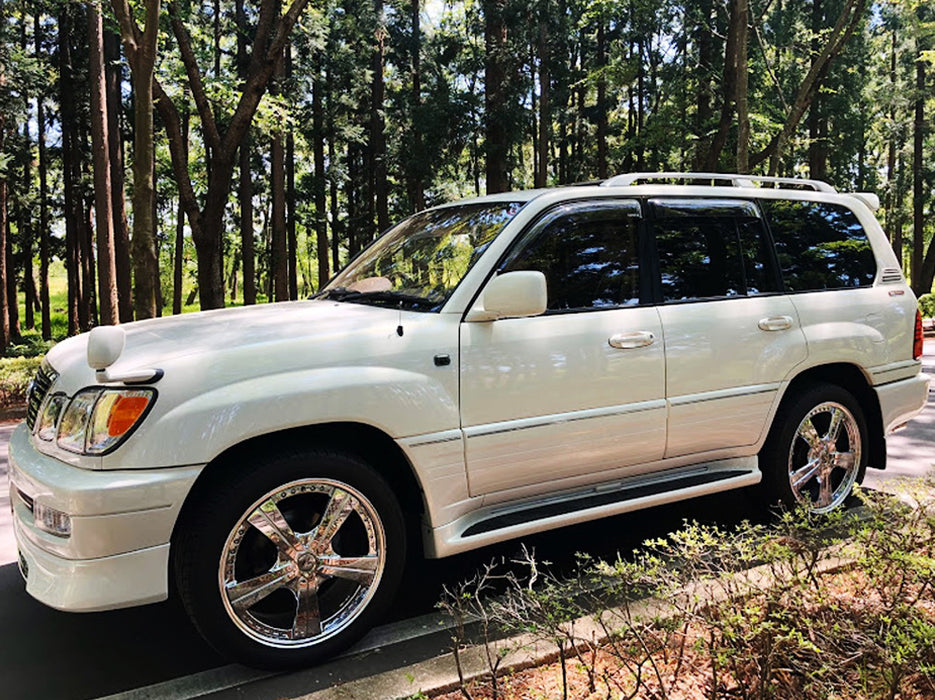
(23, 566)
(40, 386)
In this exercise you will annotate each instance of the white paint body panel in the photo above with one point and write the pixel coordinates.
(548, 397)
(723, 371)
(527, 410)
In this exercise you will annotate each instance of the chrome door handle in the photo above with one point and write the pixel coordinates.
(633, 339)
(775, 323)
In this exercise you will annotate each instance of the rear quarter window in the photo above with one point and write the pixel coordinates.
(819, 245)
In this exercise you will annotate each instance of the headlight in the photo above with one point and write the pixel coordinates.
(48, 416)
(97, 420)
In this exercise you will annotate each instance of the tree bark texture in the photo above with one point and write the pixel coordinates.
(496, 144)
(117, 179)
(44, 252)
(103, 203)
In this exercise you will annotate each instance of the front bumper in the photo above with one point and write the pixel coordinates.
(902, 401)
(121, 523)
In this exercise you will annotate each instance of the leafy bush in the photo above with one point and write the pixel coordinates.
(15, 375)
(839, 606)
(927, 305)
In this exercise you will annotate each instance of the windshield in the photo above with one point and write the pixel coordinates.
(418, 263)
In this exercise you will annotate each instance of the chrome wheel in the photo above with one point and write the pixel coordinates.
(825, 456)
(302, 563)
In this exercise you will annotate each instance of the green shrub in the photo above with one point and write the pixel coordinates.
(15, 375)
(927, 305)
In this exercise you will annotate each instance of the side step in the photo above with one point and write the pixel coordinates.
(586, 502)
(506, 521)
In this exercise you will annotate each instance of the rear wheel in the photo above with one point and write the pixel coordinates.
(291, 559)
(817, 449)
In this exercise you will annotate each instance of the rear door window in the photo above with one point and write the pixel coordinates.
(711, 248)
(819, 245)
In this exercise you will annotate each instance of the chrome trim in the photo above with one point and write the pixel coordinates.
(560, 418)
(723, 394)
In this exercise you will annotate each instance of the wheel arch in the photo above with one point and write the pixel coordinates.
(854, 380)
(365, 441)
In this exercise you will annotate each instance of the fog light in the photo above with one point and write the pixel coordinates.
(53, 521)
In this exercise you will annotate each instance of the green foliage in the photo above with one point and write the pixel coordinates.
(927, 305)
(809, 606)
(15, 375)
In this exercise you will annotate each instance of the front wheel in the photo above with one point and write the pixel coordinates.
(292, 558)
(816, 450)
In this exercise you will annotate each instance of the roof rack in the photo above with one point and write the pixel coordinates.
(734, 180)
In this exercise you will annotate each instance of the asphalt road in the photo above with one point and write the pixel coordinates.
(153, 652)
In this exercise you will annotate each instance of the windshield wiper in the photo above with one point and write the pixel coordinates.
(386, 295)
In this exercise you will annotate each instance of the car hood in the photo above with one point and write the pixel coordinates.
(311, 332)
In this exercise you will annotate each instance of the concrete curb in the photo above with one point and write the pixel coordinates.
(439, 675)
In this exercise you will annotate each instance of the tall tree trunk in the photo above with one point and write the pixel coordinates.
(318, 155)
(545, 117)
(26, 228)
(70, 170)
(495, 88)
(602, 170)
(732, 50)
(179, 253)
(704, 40)
(4, 301)
(44, 252)
(114, 79)
(245, 188)
(817, 125)
(11, 302)
(890, 200)
(918, 181)
(88, 271)
(247, 246)
(336, 227)
(279, 252)
(743, 110)
(107, 270)
(378, 124)
(291, 234)
(416, 158)
(141, 47)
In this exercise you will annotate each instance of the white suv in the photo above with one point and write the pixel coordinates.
(485, 370)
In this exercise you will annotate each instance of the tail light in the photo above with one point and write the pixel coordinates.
(917, 339)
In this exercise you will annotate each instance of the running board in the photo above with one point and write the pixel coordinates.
(500, 522)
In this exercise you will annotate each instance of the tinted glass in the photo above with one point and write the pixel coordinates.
(711, 249)
(589, 255)
(819, 246)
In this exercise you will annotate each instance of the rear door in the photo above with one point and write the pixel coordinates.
(731, 335)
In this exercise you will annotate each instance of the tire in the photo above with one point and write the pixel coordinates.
(806, 460)
(286, 560)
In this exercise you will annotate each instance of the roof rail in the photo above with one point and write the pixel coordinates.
(734, 179)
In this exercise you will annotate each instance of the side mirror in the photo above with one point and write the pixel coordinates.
(511, 295)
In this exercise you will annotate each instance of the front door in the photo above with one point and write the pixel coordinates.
(557, 400)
